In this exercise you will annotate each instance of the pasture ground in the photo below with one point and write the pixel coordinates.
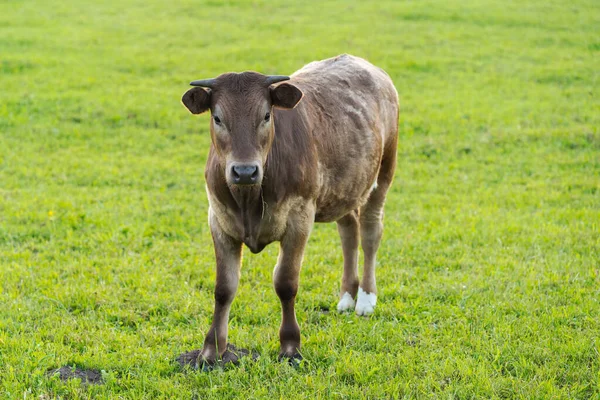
(488, 271)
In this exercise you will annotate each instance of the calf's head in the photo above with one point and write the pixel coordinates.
(242, 123)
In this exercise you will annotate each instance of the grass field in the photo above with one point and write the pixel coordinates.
(488, 273)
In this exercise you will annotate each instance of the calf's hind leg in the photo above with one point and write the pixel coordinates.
(371, 229)
(348, 230)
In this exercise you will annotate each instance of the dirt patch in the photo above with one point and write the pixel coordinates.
(323, 309)
(90, 376)
(231, 356)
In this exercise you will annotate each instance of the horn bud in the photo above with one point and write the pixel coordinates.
(208, 83)
(271, 79)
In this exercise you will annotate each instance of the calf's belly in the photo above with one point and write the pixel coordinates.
(348, 186)
(336, 204)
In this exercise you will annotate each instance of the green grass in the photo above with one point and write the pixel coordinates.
(488, 273)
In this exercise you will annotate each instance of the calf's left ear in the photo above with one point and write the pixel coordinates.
(285, 95)
(197, 100)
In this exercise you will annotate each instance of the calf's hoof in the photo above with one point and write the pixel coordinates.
(365, 302)
(292, 359)
(231, 356)
(346, 303)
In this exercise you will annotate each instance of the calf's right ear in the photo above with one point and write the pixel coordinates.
(197, 100)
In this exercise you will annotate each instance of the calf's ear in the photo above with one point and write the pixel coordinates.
(197, 100)
(285, 95)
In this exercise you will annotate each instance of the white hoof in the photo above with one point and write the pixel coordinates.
(346, 303)
(365, 302)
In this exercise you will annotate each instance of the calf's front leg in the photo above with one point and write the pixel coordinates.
(285, 279)
(228, 252)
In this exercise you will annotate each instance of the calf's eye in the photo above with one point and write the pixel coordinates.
(267, 117)
(217, 120)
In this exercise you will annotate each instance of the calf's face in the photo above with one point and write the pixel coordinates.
(242, 124)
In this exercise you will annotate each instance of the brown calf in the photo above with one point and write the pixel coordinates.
(320, 147)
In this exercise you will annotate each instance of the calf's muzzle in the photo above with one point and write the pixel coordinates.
(245, 174)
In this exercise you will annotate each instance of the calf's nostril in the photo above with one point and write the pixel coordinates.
(235, 173)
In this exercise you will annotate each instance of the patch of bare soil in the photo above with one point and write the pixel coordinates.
(90, 376)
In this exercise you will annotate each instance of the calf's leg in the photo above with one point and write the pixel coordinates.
(371, 229)
(348, 230)
(285, 279)
(228, 252)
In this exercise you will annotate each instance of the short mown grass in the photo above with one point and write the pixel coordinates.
(488, 272)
